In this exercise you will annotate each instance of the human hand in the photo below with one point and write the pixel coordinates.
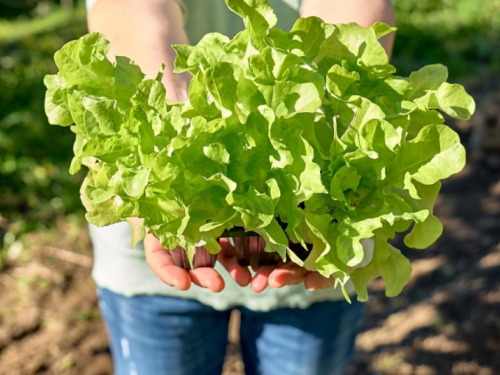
(274, 276)
(161, 262)
(289, 274)
(277, 276)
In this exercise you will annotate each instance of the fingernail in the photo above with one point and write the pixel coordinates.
(174, 283)
(312, 289)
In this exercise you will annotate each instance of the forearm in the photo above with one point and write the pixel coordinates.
(363, 12)
(144, 31)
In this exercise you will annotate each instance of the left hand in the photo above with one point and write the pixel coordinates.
(289, 274)
(276, 276)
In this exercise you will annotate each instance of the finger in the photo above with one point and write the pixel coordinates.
(227, 257)
(261, 277)
(160, 261)
(288, 274)
(315, 281)
(208, 278)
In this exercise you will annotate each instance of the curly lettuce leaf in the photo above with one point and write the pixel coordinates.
(304, 136)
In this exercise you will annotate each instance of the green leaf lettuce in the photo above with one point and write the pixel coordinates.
(304, 136)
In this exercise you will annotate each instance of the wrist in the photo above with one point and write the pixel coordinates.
(176, 85)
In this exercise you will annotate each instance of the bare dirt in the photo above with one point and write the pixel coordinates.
(446, 321)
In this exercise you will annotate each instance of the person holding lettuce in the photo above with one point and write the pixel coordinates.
(163, 319)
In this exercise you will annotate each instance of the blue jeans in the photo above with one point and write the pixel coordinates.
(158, 335)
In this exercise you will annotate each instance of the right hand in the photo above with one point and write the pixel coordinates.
(162, 264)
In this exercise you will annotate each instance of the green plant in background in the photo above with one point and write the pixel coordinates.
(35, 185)
(462, 34)
(304, 135)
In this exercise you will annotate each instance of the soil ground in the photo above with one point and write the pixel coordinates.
(446, 321)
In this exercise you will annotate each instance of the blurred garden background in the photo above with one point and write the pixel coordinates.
(447, 321)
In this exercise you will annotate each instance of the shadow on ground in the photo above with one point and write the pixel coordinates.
(447, 320)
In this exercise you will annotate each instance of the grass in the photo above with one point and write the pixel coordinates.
(461, 34)
(15, 30)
